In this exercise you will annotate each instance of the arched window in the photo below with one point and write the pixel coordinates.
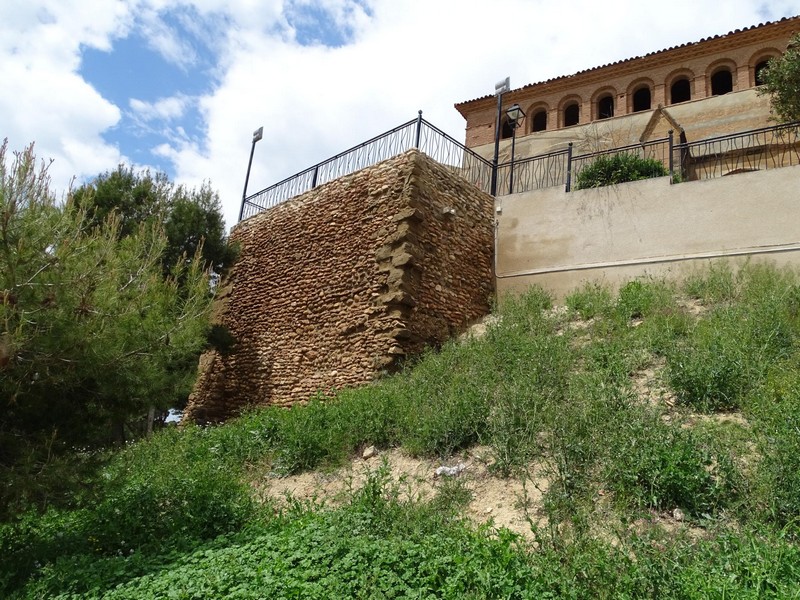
(721, 82)
(572, 114)
(605, 107)
(539, 120)
(641, 99)
(759, 71)
(680, 91)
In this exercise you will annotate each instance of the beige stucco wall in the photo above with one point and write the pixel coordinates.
(613, 234)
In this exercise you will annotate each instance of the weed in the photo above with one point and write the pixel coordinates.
(590, 301)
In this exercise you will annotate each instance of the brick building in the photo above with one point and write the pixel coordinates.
(701, 89)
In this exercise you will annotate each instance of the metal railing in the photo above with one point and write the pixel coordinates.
(536, 172)
(753, 150)
(417, 133)
(757, 149)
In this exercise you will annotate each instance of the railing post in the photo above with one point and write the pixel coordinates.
(671, 155)
(419, 130)
(569, 167)
(314, 178)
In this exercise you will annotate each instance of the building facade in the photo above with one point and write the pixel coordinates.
(701, 89)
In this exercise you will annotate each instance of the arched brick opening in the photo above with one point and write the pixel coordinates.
(605, 106)
(721, 81)
(758, 72)
(759, 62)
(642, 99)
(572, 113)
(539, 120)
(680, 90)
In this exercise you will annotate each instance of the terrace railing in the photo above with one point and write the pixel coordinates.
(417, 133)
(753, 150)
(757, 149)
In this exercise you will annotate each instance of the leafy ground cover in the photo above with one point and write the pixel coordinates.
(665, 419)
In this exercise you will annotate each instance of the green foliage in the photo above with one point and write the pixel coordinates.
(191, 219)
(539, 386)
(661, 466)
(91, 333)
(640, 298)
(782, 83)
(590, 301)
(618, 168)
(776, 408)
(730, 351)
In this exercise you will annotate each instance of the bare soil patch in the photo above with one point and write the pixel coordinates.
(499, 502)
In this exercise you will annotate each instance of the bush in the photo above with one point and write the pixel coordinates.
(661, 466)
(590, 301)
(729, 352)
(618, 168)
(776, 407)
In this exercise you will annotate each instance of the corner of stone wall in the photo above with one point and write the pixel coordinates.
(341, 284)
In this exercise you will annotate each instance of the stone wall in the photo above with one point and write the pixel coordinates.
(342, 283)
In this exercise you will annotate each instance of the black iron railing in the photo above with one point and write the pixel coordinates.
(757, 149)
(536, 172)
(754, 150)
(417, 133)
(563, 167)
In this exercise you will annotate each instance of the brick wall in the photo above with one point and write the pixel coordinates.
(342, 283)
(739, 51)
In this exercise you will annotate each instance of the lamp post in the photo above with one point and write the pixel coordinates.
(500, 88)
(257, 135)
(515, 117)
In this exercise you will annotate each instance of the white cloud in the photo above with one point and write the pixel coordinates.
(43, 99)
(165, 109)
(313, 101)
(167, 41)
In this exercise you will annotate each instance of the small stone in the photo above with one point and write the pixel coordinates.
(678, 515)
(488, 511)
(369, 452)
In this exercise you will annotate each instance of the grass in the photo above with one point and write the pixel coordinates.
(174, 517)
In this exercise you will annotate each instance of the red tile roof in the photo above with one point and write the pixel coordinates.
(627, 60)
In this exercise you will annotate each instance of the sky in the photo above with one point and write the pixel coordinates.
(179, 86)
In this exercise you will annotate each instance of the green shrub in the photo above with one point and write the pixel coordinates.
(730, 351)
(776, 408)
(618, 168)
(662, 466)
(643, 297)
(590, 301)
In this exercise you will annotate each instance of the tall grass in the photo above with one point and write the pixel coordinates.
(543, 386)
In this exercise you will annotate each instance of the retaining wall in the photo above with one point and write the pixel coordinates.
(617, 233)
(344, 282)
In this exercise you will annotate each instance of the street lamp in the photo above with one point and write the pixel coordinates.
(515, 116)
(257, 135)
(500, 88)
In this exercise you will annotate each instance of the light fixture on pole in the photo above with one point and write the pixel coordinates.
(500, 88)
(515, 116)
(257, 135)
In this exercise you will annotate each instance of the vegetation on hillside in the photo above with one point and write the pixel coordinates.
(661, 399)
(93, 332)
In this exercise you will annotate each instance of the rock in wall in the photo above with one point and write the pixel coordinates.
(340, 284)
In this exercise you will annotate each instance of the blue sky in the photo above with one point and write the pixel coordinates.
(180, 85)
